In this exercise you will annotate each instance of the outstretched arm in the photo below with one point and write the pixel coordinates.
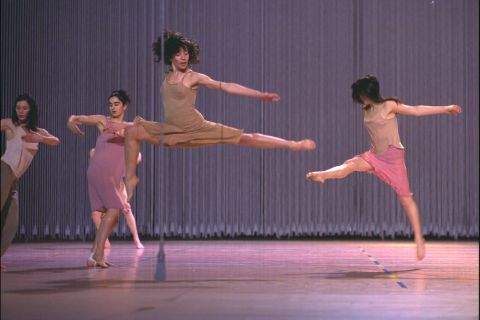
(422, 110)
(93, 120)
(42, 136)
(198, 79)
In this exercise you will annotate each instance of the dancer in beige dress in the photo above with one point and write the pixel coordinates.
(184, 126)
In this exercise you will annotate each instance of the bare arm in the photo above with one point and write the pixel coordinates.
(201, 80)
(422, 110)
(7, 126)
(94, 120)
(41, 136)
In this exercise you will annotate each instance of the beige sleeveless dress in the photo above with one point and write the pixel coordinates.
(184, 126)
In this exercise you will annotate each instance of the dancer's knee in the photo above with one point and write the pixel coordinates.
(256, 136)
(131, 132)
(350, 165)
(246, 137)
(406, 201)
(357, 164)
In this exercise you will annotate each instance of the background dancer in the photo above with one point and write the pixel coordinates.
(23, 136)
(129, 217)
(386, 158)
(106, 170)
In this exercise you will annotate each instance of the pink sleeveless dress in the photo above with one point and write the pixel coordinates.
(184, 126)
(387, 154)
(107, 169)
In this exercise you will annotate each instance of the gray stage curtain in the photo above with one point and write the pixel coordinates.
(71, 54)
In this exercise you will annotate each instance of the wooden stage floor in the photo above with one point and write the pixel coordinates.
(243, 280)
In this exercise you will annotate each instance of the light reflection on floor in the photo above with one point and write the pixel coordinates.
(243, 280)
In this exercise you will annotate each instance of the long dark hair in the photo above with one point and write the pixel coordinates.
(369, 87)
(121, 95)
(31, 122)
(172, 42)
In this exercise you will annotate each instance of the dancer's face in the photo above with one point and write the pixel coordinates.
(22, 108)
(180, 60)
(117, 108)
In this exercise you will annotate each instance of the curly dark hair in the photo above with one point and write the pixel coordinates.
(172, 42)
(32, 116)
(369, 87)
(121, 95)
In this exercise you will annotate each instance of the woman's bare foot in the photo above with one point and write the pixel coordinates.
(130, 185)
(316, 176)
(303, 145)
(420, 243)
(92, 263)
(138, 244)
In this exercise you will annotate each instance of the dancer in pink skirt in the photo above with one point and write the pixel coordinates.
(105, 172)
(386, 157)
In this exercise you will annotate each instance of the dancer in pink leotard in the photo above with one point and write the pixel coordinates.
(386, 157)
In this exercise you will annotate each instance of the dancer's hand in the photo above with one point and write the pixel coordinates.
(267, 96)
(32, 137)
(454, 109)
(72, 126)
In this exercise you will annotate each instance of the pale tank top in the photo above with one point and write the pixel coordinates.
(383, 132)
(18, 153)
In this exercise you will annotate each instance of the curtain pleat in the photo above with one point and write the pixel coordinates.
(70, 55)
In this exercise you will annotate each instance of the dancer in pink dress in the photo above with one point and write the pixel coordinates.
(386, 157)
(23, 136)
(129, 217)
(184, 126)
(105, 172)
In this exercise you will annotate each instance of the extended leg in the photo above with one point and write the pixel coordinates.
(355, 164)
(258, 140)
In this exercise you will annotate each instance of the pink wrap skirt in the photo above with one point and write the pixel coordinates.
(390, 168)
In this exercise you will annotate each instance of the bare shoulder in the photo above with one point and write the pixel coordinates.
(390, 105)
(195, 79)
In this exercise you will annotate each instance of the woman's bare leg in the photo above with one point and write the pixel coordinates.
(134, 135)
(355, 164)
(109, 221)
(97, 218)
(258, 140)
(414, 218)
(132, 224)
